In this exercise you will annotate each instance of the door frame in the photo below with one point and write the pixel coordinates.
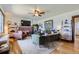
(73, 27)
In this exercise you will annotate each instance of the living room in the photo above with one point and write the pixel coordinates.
(39, 29)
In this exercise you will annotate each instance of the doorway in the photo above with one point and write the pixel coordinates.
(75, 30)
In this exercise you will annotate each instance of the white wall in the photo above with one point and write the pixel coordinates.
(18, 20)
(57, 20)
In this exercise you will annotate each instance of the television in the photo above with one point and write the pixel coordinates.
(25, 23)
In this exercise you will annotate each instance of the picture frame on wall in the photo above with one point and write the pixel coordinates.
(48, 25)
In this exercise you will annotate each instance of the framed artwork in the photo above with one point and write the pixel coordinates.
(48, 25)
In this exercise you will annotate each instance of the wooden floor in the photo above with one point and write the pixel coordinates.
(67, 47)
(14, 46)
(62, 48)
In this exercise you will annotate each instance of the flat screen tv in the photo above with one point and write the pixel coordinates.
(25, 23)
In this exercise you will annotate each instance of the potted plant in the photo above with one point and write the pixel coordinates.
(48, 31)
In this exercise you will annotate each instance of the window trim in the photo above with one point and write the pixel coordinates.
(3, 19)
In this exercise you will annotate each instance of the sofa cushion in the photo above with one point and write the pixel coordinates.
(18, 35)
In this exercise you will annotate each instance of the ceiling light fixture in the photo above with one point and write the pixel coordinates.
(38, 12)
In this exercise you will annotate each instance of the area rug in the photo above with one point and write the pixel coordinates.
(28, 47)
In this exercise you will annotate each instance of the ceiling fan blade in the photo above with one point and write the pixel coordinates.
(42, 12)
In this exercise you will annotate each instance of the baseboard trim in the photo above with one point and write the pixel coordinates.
(71, 41)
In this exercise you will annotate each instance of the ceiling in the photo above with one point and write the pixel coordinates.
(24, 10)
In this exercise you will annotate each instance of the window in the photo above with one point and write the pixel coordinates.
(1, 21)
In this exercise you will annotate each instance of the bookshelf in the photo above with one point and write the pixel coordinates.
(12, 27)
(67, 30)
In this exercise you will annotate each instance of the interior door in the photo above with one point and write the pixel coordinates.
(77, 26)
(77, 32)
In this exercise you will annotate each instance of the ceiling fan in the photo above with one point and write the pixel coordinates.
(37, 12)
